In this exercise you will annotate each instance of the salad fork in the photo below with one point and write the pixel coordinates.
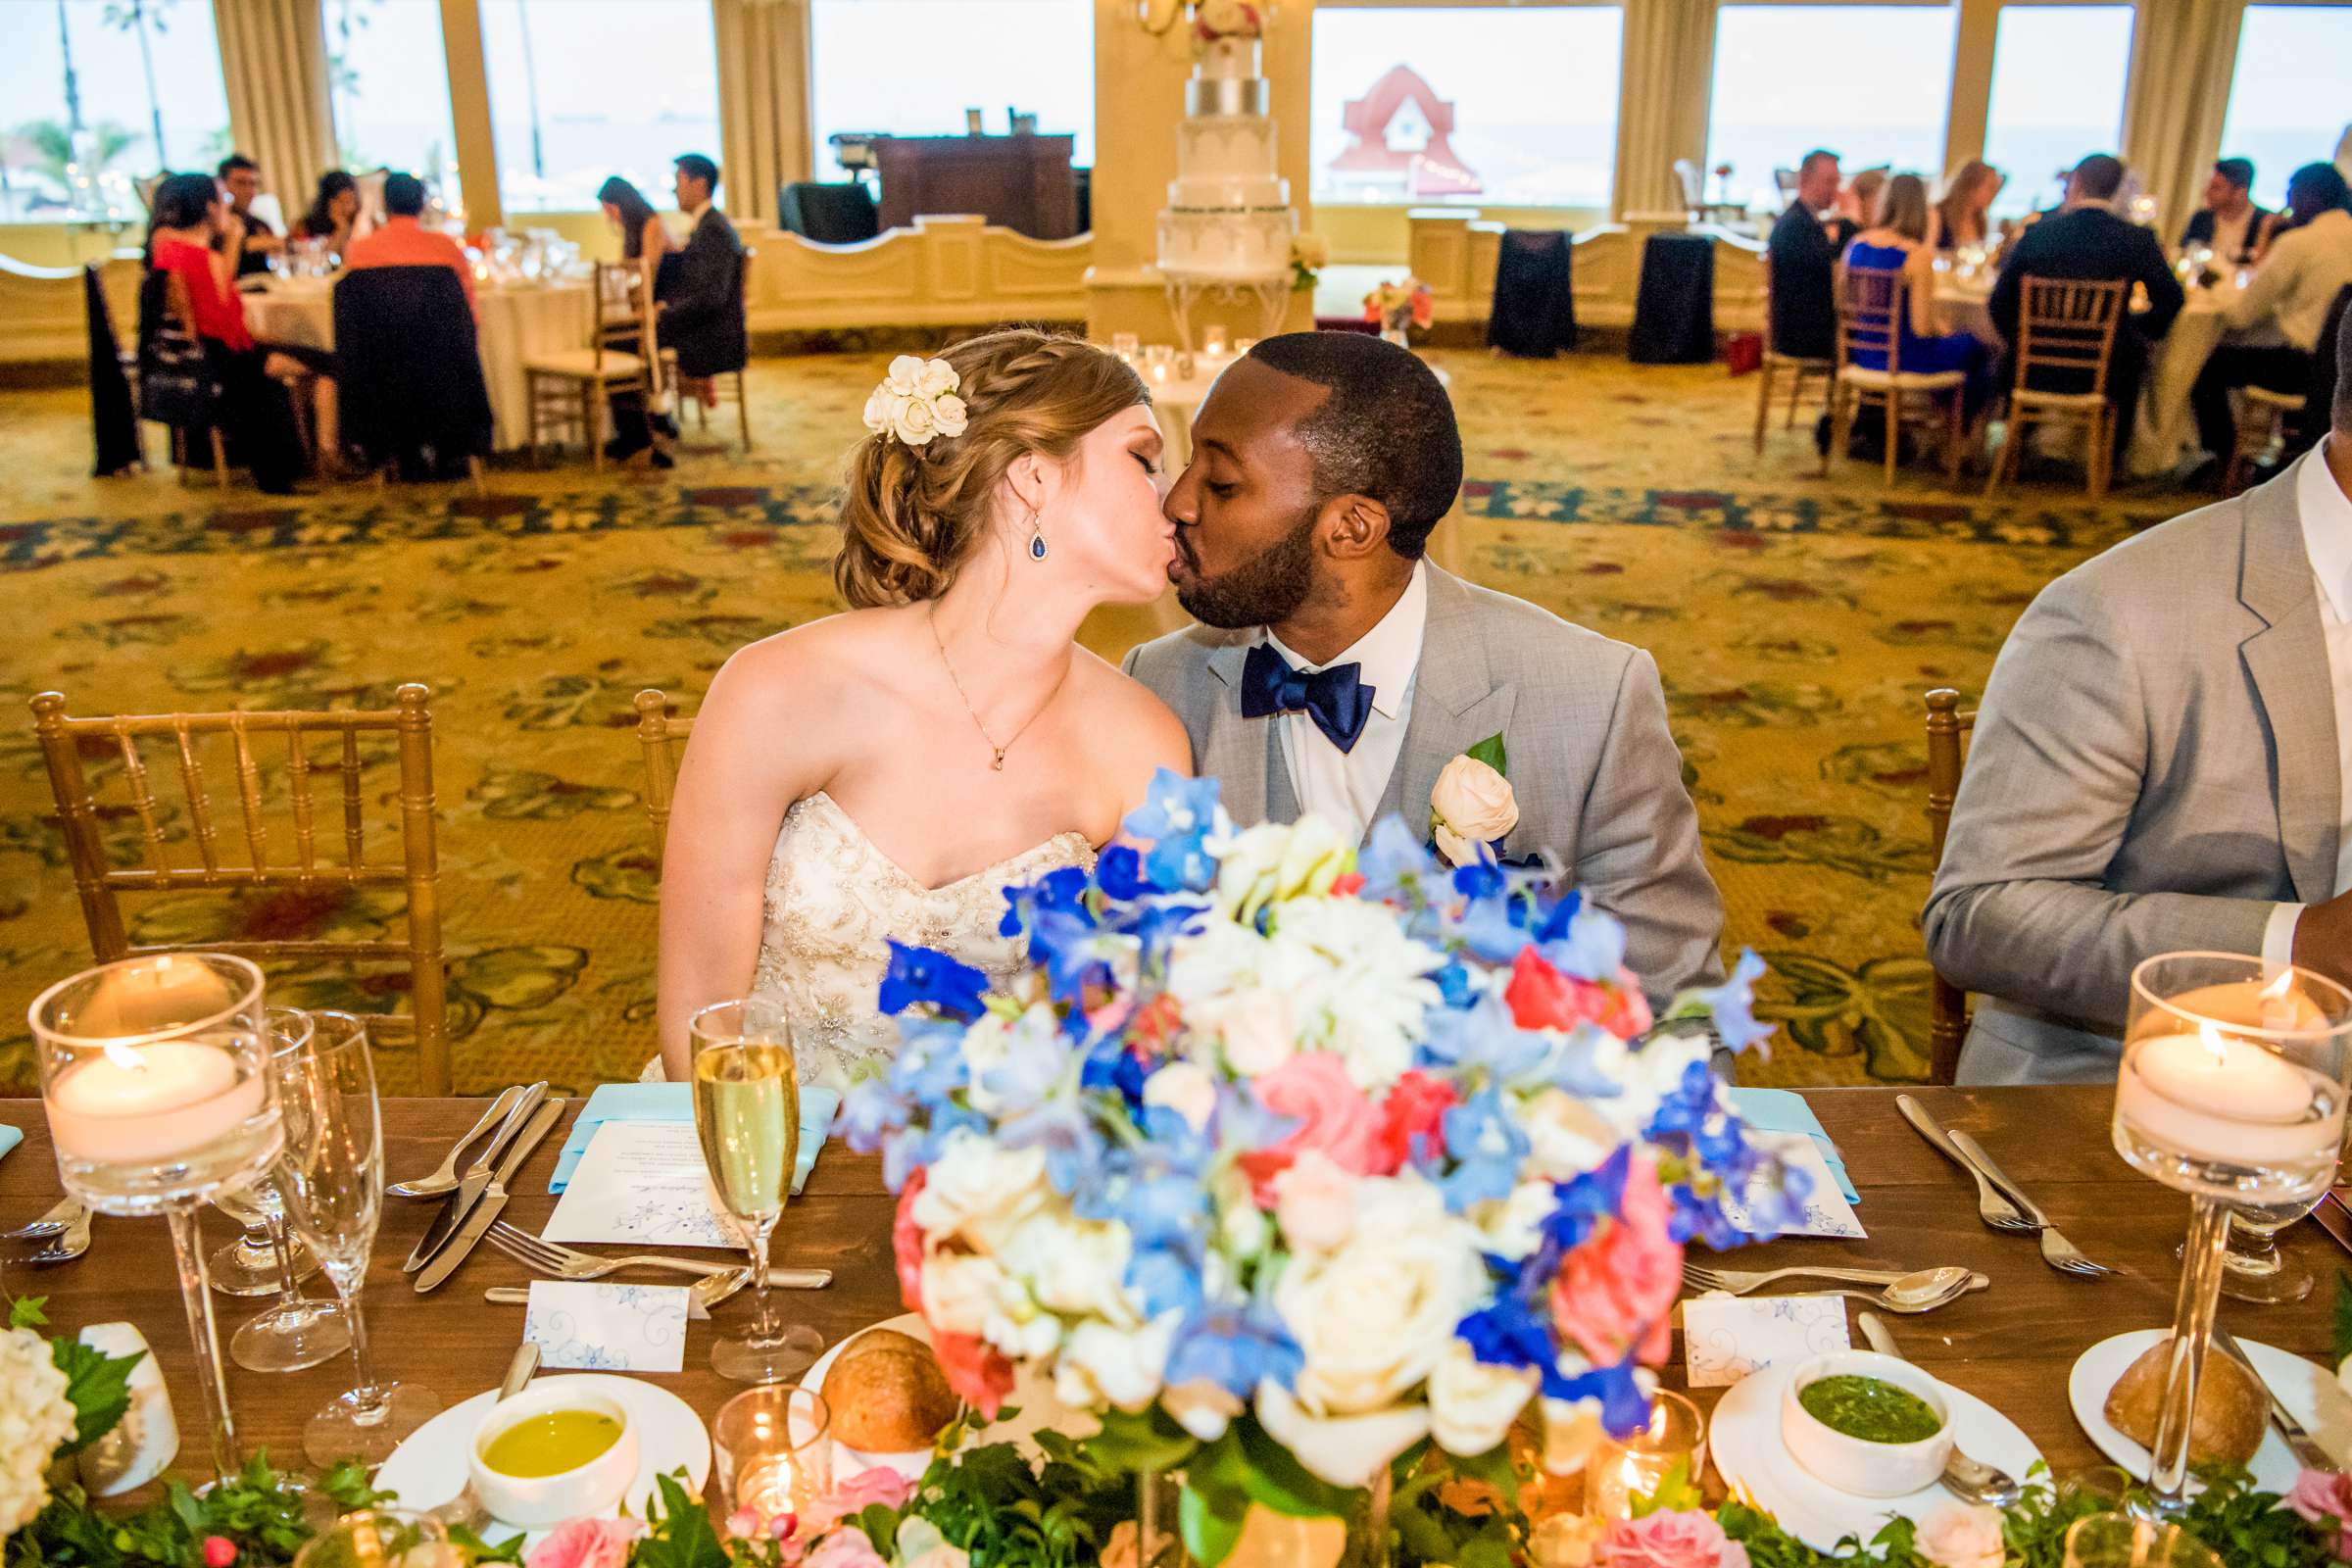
(66, 1244)
(48, 1227)
(2056, 1251)
(563, 1262)
(1992, 1207)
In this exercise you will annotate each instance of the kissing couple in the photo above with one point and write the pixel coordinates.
(889, 771)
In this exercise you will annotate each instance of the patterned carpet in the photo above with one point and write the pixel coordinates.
(1797, 620)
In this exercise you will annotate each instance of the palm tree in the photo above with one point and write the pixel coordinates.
(54, 149)
(132, 16)
(530, 87)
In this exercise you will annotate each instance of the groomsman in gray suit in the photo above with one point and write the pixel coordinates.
(2160, 764)
(1337, 672)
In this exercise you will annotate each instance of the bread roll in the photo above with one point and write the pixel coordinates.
(887, 1394)
(2226, 1424)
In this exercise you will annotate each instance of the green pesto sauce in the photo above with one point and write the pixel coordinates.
(1870, 1409)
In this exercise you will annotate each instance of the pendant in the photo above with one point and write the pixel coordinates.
(998, 764)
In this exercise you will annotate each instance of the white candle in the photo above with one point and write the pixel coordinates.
(132, 1104)
(2214, 1097)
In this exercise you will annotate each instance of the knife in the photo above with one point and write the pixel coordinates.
(493, 1200)
(1992, 1205)
(2300, 1441)
(470, 1186)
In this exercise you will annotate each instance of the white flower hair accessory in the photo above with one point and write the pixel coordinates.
(917, 400)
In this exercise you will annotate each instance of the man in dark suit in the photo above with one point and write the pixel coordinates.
(256, 241)
(2229, 225)
(1802, 255)
(2089, 240)
(700, 290)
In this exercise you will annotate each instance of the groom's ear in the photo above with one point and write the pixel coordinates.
(1353, 526)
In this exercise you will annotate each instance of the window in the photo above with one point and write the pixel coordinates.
(389, 78)
(2287, 105)
(1509, 107)
(1869, 82)
(911, 68)
(100, 95)
(2057, 96)
(583, 89)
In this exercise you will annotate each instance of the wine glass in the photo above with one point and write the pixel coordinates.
(333, 1181)
(747, 1113)
(297, 1332)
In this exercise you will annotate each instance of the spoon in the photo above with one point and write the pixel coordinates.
(1894, 1297)
(1932, 1285)
(445, 1178)
(1971, 1479)
(465, 1508)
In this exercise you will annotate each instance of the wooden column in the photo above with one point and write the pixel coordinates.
(470, 113)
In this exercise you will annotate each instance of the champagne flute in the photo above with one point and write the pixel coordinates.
(297, 1332)
(333, 1181)
(747, 1113)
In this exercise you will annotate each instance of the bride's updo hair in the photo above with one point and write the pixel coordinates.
(916, 514)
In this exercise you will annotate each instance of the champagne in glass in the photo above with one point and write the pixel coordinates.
(747, 1114)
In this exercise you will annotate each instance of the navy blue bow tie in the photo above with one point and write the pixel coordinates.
(1336, 698)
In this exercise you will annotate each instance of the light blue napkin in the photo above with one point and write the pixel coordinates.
(674, 1103)
(1784, 1110)
(10, 1137)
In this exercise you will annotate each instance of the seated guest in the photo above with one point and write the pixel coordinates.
(2229, 225)
(1897, 242)
(256, 414)
(2087, 239)
(1802, 258)
(1965, 215)
(2159, 765)
(403, 241)
(626, 208)
(333, 212)
(255, 240)
(1857, 205)
(2277, 316)
(701, 302)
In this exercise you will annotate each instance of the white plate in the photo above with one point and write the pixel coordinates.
(1031, 1396)
(2309, 1393)
(1746, 1447)
(429, 1469)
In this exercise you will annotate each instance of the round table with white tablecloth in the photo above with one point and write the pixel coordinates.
(1963, 303)
(2166, 427)
(516, 320)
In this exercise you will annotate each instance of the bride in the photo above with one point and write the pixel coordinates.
(888, 772)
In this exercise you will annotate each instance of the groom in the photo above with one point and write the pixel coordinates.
(1337, 671)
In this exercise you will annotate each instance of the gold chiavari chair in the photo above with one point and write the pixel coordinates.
(2261, 417)
(1872, 306)
(1796, 366)
(2065, 333)
(728, 388)
(569, 386)
(101, 884)
(661, 736)
(1949, 728)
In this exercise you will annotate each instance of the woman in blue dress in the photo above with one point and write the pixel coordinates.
(1901, 238)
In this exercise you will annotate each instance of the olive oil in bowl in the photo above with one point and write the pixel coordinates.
(550, 1442)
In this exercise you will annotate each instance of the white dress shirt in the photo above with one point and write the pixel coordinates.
(1344, 788)
(2231, 236)
(2286, 299)
(2328, 538)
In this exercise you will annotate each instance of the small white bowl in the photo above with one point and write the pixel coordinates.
(1858, 1465)
(536, 1503)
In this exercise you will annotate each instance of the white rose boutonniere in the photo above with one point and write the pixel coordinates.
(1473, 803)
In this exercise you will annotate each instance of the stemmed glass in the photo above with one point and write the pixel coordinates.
(297, 1332)
(333, 1181)
(155, 1075)
(2233, 1090)
(747, 1113)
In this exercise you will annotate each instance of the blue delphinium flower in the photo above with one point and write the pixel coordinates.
(1590, 944)
(1062, 892)
(1487, 1149)
(1730, 1004)
(1235, 1346)
(1692, 1115)
(1120, 874)
(1166, 1279)
(1037, 1064)
(1624, 1407)
(1482, 1042)
(930, 1065)
(1062, 1125)
(1397, 867)
(926, 975)
(1587, 1199)
(1153, 1187)
(869, 1111)
(1177, 818)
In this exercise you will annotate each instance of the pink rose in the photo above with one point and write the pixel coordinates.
(850, 1498)
(1615, 1292)
(2318, 1495)
(1314, 1200)
(1336, 1120)
(1685, 1539)
(1541, 996)
(1962, 1536)
(846, 1548)
(906, 1242)
(974, 1368)
(586, 1543)
(1415, 1109)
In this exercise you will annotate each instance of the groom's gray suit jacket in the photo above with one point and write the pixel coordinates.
(1595, 770)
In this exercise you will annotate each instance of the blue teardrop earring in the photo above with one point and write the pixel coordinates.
(1037, 539)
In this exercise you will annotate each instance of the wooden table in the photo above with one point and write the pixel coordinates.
(2012, 1345)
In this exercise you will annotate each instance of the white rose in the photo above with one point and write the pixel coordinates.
(1572, 1429)
(985, 1046)
(962, 1291)
(1255, 1028)
(905, 376)
(34, 1418)
(1472, 1404)
(1242, 1229)
(1104, 1365)
(1359, 984)
(1315, 1201)
(1566, 1136)
(950, 413)
(1374, 1315)
(1471, 804)
(921, 1546)
(916, 423)
(1962, 1536)
(1346, 1450)
(1203, 1409)
(1072, 1266)
(937, 380)
(1185, 1087)
(1512, 1227)
(882, 410)
(980, 1191)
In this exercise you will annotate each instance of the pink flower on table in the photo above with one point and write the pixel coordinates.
(906, 1242)
(586, 1543)
(219, 1551)
(975, 1370)
(2320, 1495)
(1336, 1120)
(1962, 1535)
(1615, 1292)
(1677, 1539)
(877, 1485)
(846, 1548)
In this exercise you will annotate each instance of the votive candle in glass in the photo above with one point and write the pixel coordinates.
(1625, 1469)
(773, 1449)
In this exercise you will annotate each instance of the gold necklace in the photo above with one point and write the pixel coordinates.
(996, 760)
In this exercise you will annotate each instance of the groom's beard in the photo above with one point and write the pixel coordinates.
(1262, 591)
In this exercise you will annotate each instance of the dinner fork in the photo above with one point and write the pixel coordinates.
(1735, 1282)
(66, 1246)
(1992, 1207)
(2056, 1251)
(48, 1227)
(568, 1264)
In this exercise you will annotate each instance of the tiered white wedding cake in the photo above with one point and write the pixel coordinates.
(1229, 214)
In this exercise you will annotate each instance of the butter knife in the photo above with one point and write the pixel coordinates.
(493, 1200)
(478, 1177)
(2300, 1441)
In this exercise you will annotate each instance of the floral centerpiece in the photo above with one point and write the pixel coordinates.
(1310, 252)
(1394, 306)
(1287, 1162)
